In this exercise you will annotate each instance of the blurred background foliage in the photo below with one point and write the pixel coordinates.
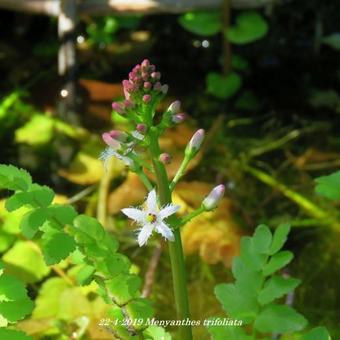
(265, 85)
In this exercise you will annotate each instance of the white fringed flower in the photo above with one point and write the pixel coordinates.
(151, 218)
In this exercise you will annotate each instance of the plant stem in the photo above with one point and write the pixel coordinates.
(175, 248)
(180, 172)
(191, 215)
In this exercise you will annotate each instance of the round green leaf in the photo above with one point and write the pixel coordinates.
(201, 23)
(250, 26)
(221, 86)
(11, 334)
(318, 333)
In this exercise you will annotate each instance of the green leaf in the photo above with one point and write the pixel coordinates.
(221, 86)
(89, 226)
(25, 261)
(230, 332)
(48, 300)
(123, 288)
(279, 319)
(236, 303)
(250, 26)
(11, 334)
(239, 63)
(57, 246)
(38, 196)
(16, 310)
(250, 256)
(276, 287)
(277, 262)
(64, 214)
(262, 239)
(85, 274)
(318, 333)
(12, 178)
(329, 186)
(139, 309)
(32, 221)
(89, 232)
(332, 40)
(114, 264)
(201, 23)
(156, 333)
(247, 280)
(11, 288)
(279, 238)
(39, 130)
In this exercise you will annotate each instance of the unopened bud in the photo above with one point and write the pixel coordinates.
(156, 75)
(145, 63)
(165, 158)
(128, 103)
(195, 143)
(214, 197)
(146, 98)
(165, 88)
(157, 86)
(147, 85)
(174, 107)
(141, 128)
(118, 108)
(178, 118)
(111, 141)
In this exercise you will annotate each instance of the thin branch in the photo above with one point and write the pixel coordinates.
(151, 271)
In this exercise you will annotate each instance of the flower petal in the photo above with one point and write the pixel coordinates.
(151, 202)
(165, 231)
(144, 234)
(168, 210)
(135, 214)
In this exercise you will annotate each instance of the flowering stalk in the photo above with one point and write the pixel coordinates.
(143, 91)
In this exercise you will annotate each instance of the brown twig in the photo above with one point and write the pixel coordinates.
(150, 273)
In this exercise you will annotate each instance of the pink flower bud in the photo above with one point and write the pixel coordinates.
(141, 128)
(118, 135)
(128, 104)
(107, 138)
(174, 107)
(157, 86)
(195, 142)
(147, 85)
(165, 89)
(156, 75)
(146, 98)
(145, 63)
(178, 118)
(118, 108)
(165, 158)
(214, 197)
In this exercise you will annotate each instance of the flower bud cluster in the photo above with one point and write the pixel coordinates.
(143, 86)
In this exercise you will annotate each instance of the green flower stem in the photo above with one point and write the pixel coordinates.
(191, 215)
(180, 173)
(144, 179)
(175, 248)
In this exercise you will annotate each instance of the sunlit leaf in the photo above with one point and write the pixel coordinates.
(202, 23)
(26, 262)
(37, 131)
